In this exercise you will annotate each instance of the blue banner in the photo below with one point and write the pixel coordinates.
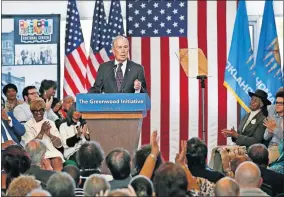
(269, 76)
(238, 76)
(112, 102)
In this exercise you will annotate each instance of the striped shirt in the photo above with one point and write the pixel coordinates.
(79, 192)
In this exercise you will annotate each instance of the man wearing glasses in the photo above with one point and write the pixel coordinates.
(23, 113)
(274, 125)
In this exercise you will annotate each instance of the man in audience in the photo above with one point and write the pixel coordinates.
(10, 91)
(227, 187)
(259, 155)
(196, 155)
(39, 192)
(142, 186)
(23, 113)
(22, 185)
(251, 128)
(95, 184)
(11, 129)
(74, 172)
(119, 163)
(61, 184)
(274, 126)
(170, 180)
(248, 176)
(90, 157)
(39, 167)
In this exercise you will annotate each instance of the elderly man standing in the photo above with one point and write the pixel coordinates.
(251, 128)
(274, 125)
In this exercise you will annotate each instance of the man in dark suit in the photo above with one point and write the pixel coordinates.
(121, 75)
(251, 128)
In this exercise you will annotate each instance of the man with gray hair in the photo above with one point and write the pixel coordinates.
(121, 75)
(227, 187)
(248, 176)
(95, 184)
(40, 168)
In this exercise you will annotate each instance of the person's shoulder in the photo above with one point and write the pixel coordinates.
(107, 64)
(134, 64)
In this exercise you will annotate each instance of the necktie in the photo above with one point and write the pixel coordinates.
(119, 77)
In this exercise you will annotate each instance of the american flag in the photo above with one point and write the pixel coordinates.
(157, 31)
(75, 62)
(102, 35)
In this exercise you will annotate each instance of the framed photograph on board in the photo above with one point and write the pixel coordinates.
(30, 50)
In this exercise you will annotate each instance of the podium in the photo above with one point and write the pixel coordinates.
(114, 120)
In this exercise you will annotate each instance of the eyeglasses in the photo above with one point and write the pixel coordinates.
(38, 110)
(279, 103)
(33, 93)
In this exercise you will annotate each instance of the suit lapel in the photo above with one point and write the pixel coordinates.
(249, 124)
(243, 122)
(126, 75)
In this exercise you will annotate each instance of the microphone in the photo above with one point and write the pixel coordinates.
(113, 68)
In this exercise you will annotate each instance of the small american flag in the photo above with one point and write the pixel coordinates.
(75, 62)
(102, 36)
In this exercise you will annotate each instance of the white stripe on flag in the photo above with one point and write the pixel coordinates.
(94, 60)
(79, 62)
(174, 91)
(68, 90)
(104, 55)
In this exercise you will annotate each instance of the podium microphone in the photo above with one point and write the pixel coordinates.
(113, 68)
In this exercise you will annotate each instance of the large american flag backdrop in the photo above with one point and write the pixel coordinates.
(157, 30)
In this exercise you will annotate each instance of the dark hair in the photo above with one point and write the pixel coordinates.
(15, 161)
(26, 91)
(90, 155)
(61, 184)
(46, 84)
(142, 186)
(170, 180)
(196, 153)
(141, 155)
(259, 154)
(69, 116)
(9, 86)
(279, 94)
(118, 162)
(73, 171)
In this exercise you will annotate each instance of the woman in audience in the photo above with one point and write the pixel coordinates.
(47, 91)
(15, 161)
(66, 105)
(278, 165)
(41, 128)
(10, 91)
(74, 132)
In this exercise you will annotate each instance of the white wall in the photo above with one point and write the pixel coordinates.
(86, 8)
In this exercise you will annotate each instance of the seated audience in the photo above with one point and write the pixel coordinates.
(23, 113)
(40, 168)
(251, 128)
(74, 132)
(142, 186)
(47, 92)
(95, 184)
(170, 180)
(66, 105)
(274, 126)
(89, 157)
(259, 155)
(43, 129)
(10, 91)
(278, 165)
(61, 184)
(15, 161)
(248, 176)
(11, 129)
(22, 185)
(196, 159)
(39, 192)
(227, 187)
(119, 163)
(74, 172)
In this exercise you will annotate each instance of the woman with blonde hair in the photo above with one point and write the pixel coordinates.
(43, 129)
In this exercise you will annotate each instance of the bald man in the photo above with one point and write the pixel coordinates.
(227, 187)
(248, 176)
(39, 192)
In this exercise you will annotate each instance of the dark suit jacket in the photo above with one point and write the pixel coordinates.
(118, 184)
(210, 175)
(105, 80)
(253, 133)
(40, 174)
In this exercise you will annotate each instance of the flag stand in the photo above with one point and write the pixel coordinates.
(202, 79)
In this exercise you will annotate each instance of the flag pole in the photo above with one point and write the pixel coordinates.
(202, 79)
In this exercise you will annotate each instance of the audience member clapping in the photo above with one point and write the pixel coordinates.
(61, 184)
(96, 185)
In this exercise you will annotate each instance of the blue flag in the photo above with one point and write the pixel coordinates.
(238, 77)
(269, 76)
